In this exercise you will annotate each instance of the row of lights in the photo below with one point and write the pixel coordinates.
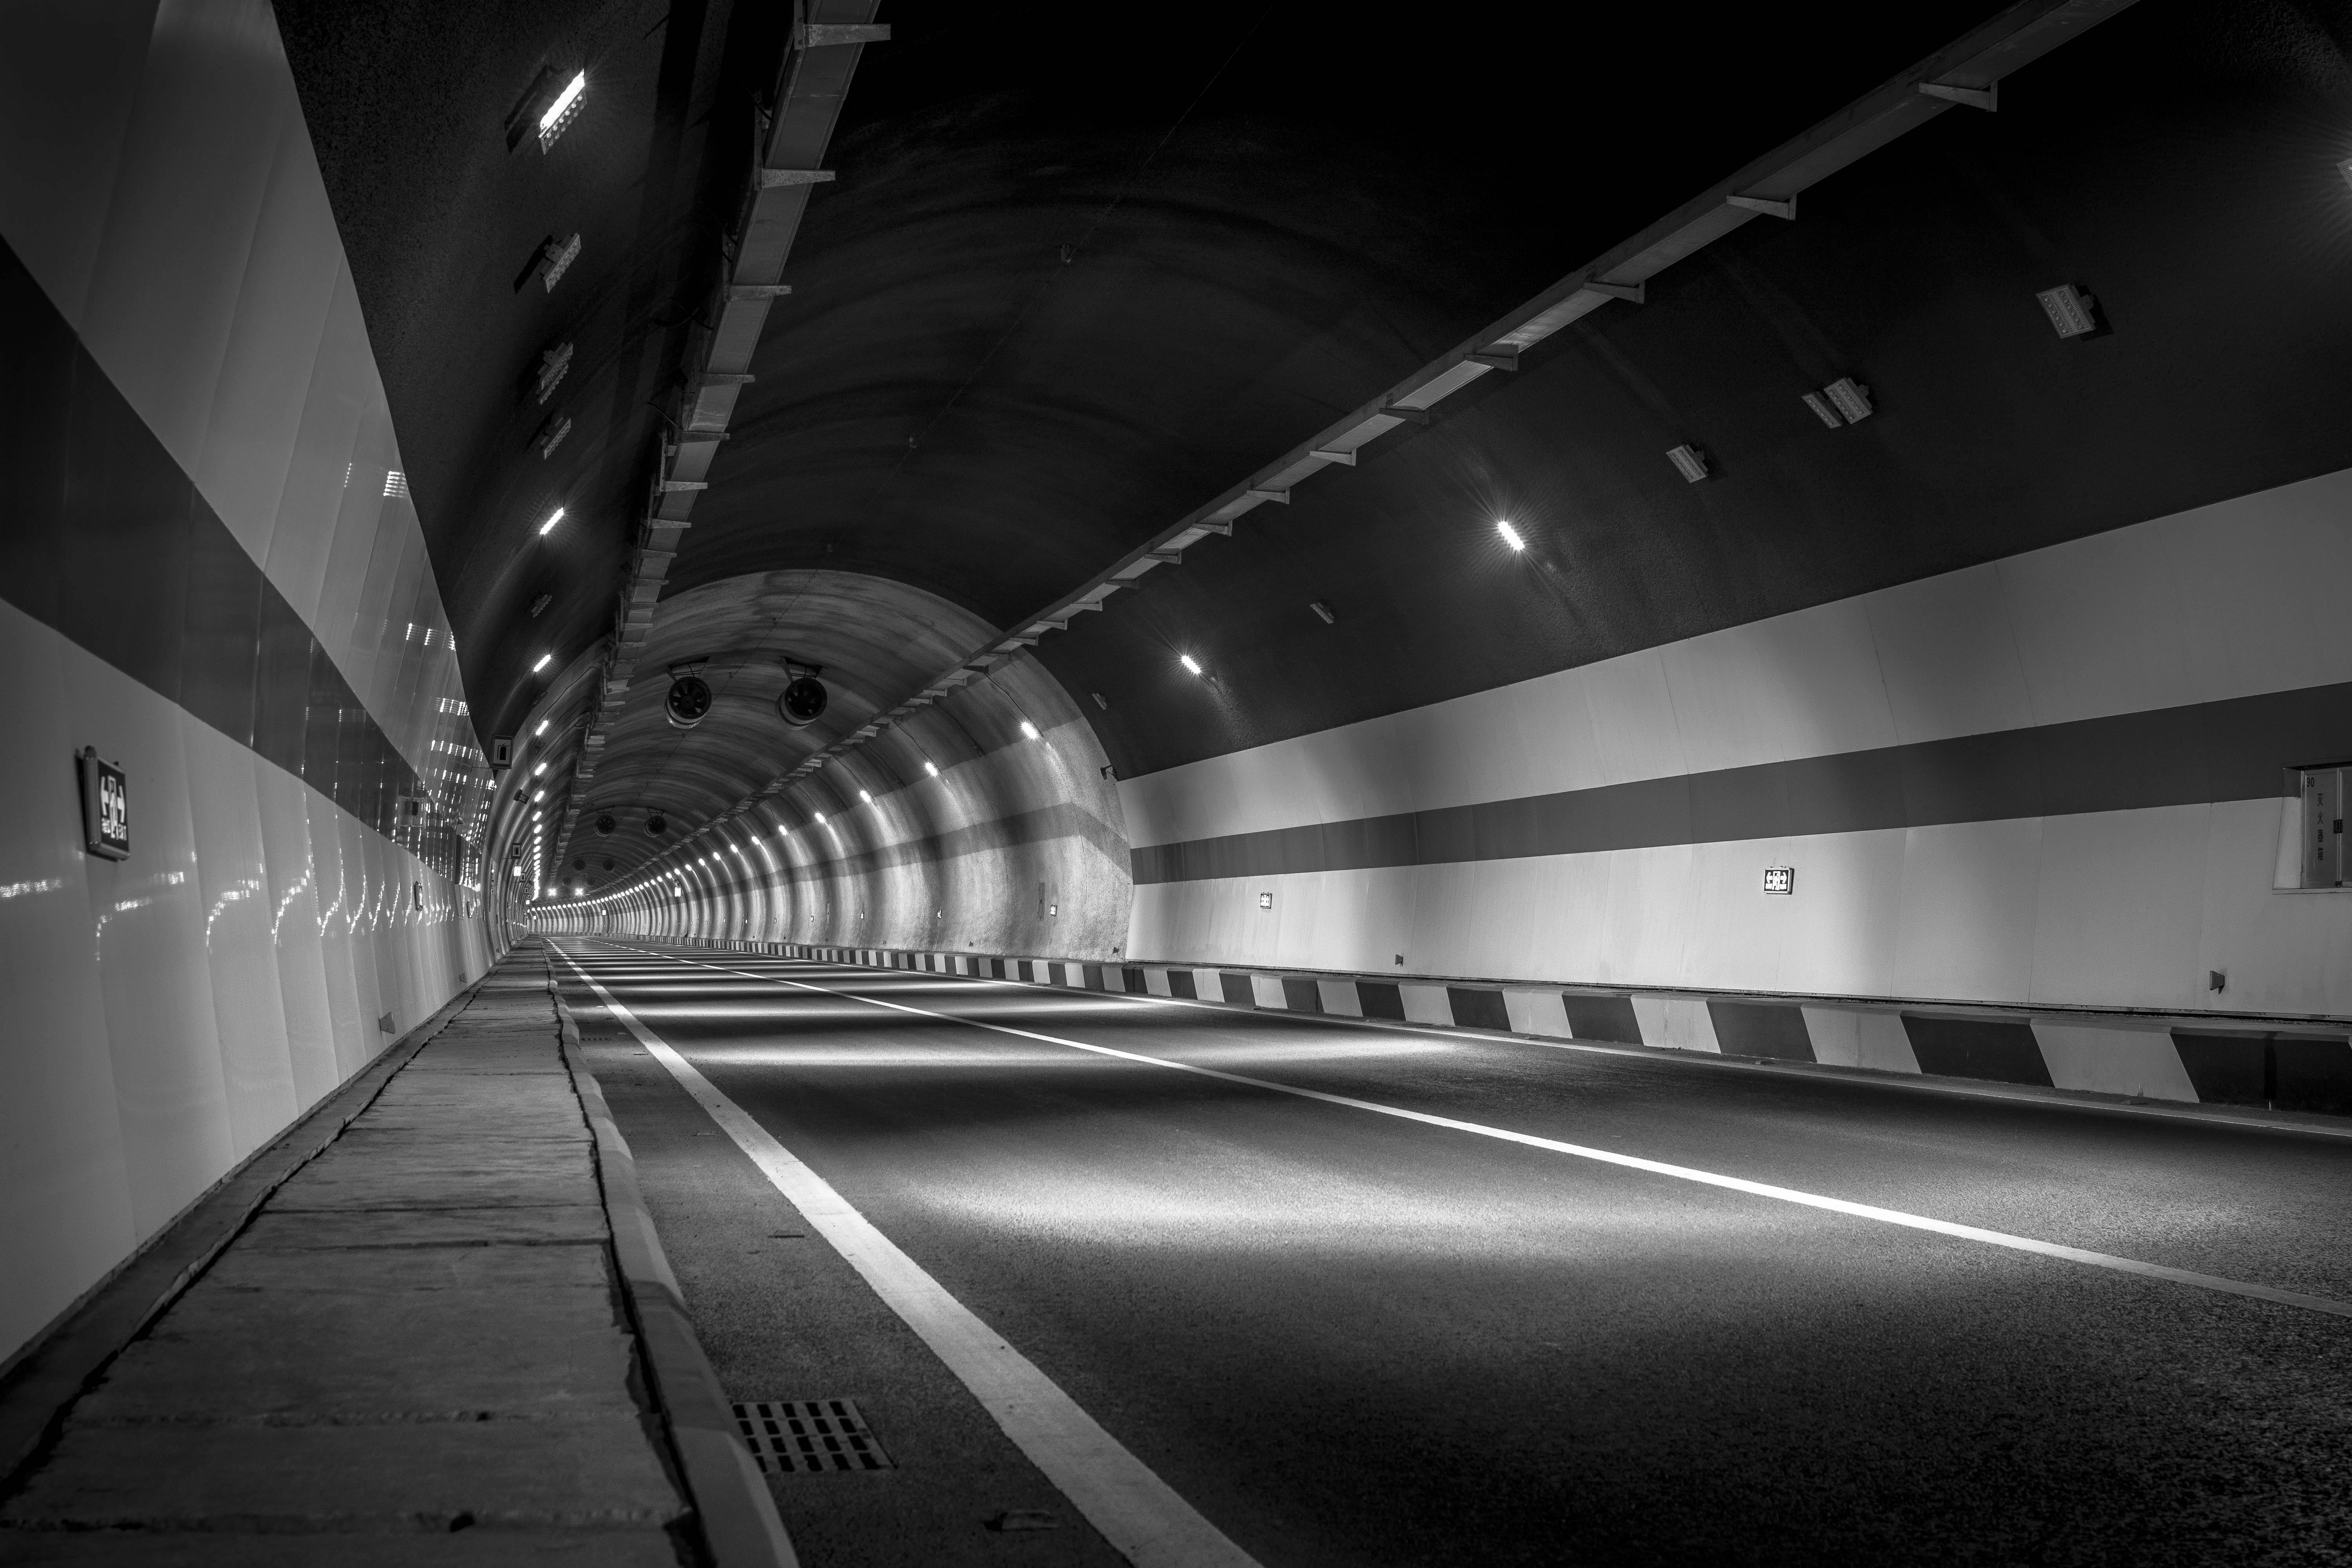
(1029, 731)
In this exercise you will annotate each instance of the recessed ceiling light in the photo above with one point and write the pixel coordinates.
(932, 769)
(544, 660)
(1510, 535)
(820, 817)
(866, 797)
(538, 795)
(538, 770)
(1186, 660)
(552, 519)
(1028, 729)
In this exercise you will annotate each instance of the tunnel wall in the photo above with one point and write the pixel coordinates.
(212, 575)
(2055, 779)
(1017, 846)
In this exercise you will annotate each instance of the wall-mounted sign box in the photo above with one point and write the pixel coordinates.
(2323, 826)
(502, 751)
(1780, 879)
(105, 806)
(1265, 901)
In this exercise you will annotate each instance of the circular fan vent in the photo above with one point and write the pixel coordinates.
(605, 823)
(657, 824)
(690, 700)
(802, 701)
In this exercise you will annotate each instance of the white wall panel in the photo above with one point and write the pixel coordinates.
(293, 901)
(1949, 657)
(322, 467)
(2096, 621)
(255, 414)
(248, 1013)
(66, 1212)
(186, 200)
(148, 916)
(1839, 931)
(1965, 925)
(2281, 952)
(1646, 922)
(2116, 923)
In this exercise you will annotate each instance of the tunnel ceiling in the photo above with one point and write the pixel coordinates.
(1081, 270)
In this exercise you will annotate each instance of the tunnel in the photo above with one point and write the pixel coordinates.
(880, 783)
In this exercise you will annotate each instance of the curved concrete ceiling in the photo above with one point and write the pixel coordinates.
(1078, 276)
(873, 639)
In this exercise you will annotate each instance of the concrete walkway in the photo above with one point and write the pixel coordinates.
(418, 1348)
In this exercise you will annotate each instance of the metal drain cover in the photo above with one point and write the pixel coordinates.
(792, 1434)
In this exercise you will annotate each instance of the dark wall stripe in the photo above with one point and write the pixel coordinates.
(2003, 1050)
(104, 540)
(2232, 750)
(1602, 1018)
(1773, 1030)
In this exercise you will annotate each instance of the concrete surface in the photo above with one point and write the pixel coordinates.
(1349, 1340)
(414, 1353)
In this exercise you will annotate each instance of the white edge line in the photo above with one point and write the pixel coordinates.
(1628, 1162)
(1138, 1513)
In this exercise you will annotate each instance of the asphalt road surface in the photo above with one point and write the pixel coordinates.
(1346, 1318)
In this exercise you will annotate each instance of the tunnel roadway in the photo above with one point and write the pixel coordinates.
(1374, 1294)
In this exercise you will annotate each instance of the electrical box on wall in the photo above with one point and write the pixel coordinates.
(1780, 879)
(105, 806)
(2322, 852)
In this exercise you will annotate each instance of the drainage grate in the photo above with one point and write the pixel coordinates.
(792, 1434)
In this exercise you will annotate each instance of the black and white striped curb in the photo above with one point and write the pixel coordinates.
(2215, 1060)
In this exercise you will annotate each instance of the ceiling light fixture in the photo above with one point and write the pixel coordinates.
(1028, 729)
(552, 519)
(538, 770)
(866, 797)
(543, 723)
(1510, 535)
(932, 769)
(561, 113)
(544, 660)
(1186, 660)
(820, 817)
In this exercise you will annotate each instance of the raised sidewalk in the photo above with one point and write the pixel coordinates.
(417, 1348)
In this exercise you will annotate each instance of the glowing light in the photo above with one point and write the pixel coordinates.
(1028, 729)
(538, 770)
(563, 101)
(864, 796)
(552, 519)
(820, 817)
(544, 660)
(1510, 535)
(932, 769)
(1186, 660)
(543, 723)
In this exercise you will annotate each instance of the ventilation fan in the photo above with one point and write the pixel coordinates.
(657, 824)
(803, 701)
(688, 700)
(605, 823)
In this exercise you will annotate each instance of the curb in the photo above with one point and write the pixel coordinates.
(44, 1381)
(739, 1523)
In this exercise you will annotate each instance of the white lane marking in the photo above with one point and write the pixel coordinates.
(1608, 1157)
(1141, 1515)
